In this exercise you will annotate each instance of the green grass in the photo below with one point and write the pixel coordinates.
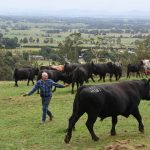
(20, 117)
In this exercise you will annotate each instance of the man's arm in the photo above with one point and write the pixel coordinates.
(59, 85)
(36, 87)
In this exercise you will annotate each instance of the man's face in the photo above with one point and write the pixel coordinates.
(45, 77)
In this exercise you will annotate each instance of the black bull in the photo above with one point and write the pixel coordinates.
(82, 73)
(111, 68)
(55, 76)
(108, 100)
(25, 73)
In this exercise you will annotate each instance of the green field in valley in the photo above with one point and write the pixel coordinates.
(20, 127)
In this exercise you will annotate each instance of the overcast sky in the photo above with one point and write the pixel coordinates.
(91, 5)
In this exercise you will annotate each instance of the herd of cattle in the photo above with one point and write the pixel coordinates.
(80, 73)
(104, 100)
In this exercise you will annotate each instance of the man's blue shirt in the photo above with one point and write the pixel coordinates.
(45, 87)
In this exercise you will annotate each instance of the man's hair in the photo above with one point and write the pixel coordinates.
(44, 74)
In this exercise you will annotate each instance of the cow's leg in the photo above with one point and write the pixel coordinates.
(72, 121)
(111, 77)
(92, 78)
(28, 82)
(138, 117)
(137, 75)
(90, 122)
(54, 89)
(77, 85)
(73, 87)
(116, 76)
(145, 72)
(104, 77)
(141, 74)
(114, 122)
(100, 77)
(32, 81)
(81, 83)
(16, 84)
(128, 74)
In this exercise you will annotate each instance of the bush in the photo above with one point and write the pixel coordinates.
(8, 63)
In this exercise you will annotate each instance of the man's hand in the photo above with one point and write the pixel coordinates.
(25, 94)
(66, 85)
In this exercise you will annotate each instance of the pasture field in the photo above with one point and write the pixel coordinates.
(20, 127)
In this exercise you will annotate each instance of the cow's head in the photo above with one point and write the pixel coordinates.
(94, 68)
(36, 71)
(67, 78)
(110, 64)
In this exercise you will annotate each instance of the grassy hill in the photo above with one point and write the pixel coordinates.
(20, 123)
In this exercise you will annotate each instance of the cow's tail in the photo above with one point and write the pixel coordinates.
(15, 73)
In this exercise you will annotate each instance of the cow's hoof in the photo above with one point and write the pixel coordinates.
(141, 130)
(113, 133)
(67, 139)
(95, 138)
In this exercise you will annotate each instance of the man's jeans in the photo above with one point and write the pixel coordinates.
(45, 104)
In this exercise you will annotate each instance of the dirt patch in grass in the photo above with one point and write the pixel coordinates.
(124, 145)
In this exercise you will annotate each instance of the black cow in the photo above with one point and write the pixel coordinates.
(109, 100)
(117, 71)
(47, 68)
(69, 67)
(82, 73)
(135, 68)
(25, 73)
(103, 69)
(55, 76)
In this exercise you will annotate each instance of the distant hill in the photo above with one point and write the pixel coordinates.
(79, 13)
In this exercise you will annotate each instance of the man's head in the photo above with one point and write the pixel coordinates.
(44, 76)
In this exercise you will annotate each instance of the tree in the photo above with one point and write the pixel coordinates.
(25, 40)
(45, 51)
(25, 55)
(31, 40)
(143, 49)
(1, 37)
(9, 62)
(10, 43)
(46, 40)
(88, 55)
(21, 41)
(70, 46)
(37, 40)
(118, 41)
(51, 40)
